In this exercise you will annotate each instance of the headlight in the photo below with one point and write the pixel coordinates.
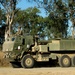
(19, 47)
(28, 46)
(7, 49)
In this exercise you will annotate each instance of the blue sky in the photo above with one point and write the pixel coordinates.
(24, 4)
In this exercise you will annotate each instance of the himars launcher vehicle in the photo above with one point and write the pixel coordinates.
(28, 50)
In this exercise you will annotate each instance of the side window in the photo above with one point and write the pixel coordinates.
(23, 41)
(13, 39)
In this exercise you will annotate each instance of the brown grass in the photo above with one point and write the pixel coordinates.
(3, 61)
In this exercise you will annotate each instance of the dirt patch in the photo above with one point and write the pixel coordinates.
(3, 61)
(37, 71)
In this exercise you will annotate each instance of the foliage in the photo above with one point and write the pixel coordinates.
(30, 21)
(2, 17)
(63, 10)
(55, 25)
(9, 7)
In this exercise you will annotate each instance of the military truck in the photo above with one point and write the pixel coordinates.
(28, 50)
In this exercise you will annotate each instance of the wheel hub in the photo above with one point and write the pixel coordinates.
(28, 61)
(65, 60)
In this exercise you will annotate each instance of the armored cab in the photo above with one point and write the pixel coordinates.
(15, 46)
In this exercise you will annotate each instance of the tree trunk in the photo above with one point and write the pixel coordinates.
(9, 21)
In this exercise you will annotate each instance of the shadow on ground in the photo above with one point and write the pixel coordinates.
(37, 64)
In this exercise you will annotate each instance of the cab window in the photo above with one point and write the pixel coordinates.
(23, 41)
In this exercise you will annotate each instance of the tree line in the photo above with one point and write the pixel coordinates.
(55, 25)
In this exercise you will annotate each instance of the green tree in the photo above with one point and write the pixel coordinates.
(2, 17)
(30, 21)
(9, 6)
(59, 25)
(60, 11)
(2, 25)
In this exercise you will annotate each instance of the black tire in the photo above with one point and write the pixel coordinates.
(27, 61)
(73, 61)
(65, 61)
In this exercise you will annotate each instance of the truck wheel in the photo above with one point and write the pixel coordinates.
(65, 61)
(73, 61)
(27, 61)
